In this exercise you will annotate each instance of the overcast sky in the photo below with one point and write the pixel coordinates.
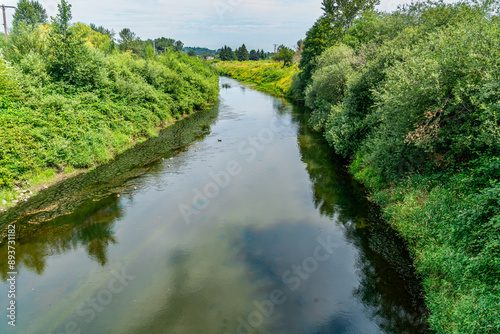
(206, 23)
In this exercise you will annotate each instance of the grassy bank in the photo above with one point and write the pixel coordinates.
(267, 76)
(62, 114)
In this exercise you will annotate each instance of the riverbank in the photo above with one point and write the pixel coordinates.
(266, 76)
(53, 130)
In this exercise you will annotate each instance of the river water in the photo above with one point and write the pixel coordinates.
(235, 220)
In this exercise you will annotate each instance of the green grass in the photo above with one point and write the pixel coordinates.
(267, 76)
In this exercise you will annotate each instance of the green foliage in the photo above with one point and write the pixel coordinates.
(342, 13)
(8, 82)
(318, 39)
(268, 77)
(25, 39)
(241, 53)
(204, 52)
(60, 23)
(178, 46)
(284, 54)
(29, 12)
(226, 53)
(336, 67)
(150, 52)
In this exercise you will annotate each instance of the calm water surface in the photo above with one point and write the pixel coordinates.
(235, 220)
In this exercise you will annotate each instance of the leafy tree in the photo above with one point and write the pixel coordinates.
(60, 23)
(126, 38)
(163, 43)
(342, 13)
(150, 52)
(69, 60)
(191, 53)
(178, 46)
(284, 54)
(317, 40)
(30, 12)
(100, 29)
(254, 55)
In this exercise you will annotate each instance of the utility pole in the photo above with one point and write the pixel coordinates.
(275, 45)
(5, 26)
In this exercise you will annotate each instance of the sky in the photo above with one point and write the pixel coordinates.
(204, 23)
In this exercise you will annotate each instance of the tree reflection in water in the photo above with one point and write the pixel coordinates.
(94, 232)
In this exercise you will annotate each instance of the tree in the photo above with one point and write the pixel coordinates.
(341, 13)
(191, 53)
(110, 33)
(67, 55)
(242, 53)
(254, 55)
(150, 52)
(178, 46)
(284, 54)
(60, 23)
(126, 38)
(317, 40)
(30, 12)
(129, 41)
(163, 43)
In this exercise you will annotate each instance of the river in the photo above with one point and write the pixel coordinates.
(237, 219)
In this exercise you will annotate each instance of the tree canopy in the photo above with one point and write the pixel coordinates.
(242, 53)
(226, 53)
(29, 12)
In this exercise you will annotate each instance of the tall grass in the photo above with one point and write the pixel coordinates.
(267, 76)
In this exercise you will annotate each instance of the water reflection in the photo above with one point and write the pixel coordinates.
(90, 227)
(383, 261)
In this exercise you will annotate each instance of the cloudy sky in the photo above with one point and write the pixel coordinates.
(207, 23)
